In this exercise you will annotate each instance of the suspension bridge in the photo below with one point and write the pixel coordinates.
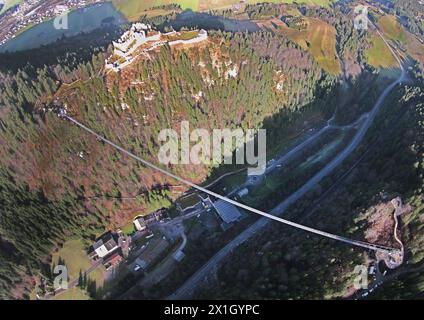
(374, 247)
(393, 255)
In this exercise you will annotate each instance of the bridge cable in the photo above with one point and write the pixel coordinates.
(357, 243)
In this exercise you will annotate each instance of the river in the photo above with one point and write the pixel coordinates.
(81, 20)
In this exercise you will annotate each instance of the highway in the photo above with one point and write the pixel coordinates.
(188, 288)
(288, 156)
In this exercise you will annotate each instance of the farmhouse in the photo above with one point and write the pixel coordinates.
(109, 249)
(104, 246)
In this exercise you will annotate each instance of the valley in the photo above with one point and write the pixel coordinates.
(342, 110)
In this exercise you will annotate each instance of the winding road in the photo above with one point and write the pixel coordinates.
(188, 288)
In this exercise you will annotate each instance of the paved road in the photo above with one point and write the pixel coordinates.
(174, 228)
(284, 158)
(392, 277)
(391, 264)
(188, 288)
(273, 164)
(183, 244)
(288, 156)
(223, 176)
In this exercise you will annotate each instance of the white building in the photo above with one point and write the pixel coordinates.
(243, 192)
(60, 9)
(139, 224)
(134, 38)
(140, 34)
(105, 246)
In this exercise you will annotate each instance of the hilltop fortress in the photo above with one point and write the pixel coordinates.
(141, 38)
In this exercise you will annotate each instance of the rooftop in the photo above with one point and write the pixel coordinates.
(105, 245)
(228, 212)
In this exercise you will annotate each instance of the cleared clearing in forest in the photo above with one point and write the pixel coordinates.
(317, 37)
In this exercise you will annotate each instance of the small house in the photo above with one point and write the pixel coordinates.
(104, 246)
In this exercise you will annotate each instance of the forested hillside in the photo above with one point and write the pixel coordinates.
(289, 264)
(57, 182)
(412, 12)
(70, 184)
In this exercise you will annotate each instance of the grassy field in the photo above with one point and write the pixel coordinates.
(72, 294)
(189, 201)
(379, 56)
(310, 2)
(392, 29)
(76, 259)
(133, 9)
(9, 4)
(322, 154)
(293, 11)
(415, 48)
(217, 4)
(319, 38)
(128, 228)
(189, 35)
(281, 182)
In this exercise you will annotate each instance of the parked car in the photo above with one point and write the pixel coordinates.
(137, 267)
